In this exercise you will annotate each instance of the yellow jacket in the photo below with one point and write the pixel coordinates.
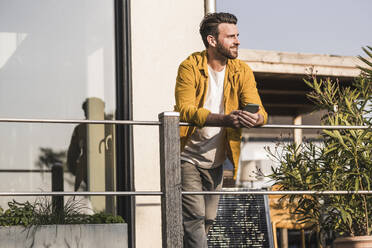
(191, 88)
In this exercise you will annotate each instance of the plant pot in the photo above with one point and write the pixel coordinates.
(353, 242)
(84, 235)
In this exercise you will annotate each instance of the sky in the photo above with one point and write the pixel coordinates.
(337, 27)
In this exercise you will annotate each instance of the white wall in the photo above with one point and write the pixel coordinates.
(164, 33)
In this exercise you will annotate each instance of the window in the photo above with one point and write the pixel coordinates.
(57, 61)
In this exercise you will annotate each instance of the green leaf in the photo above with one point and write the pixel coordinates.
(348, 104)
(25, 221)
(365, 60)
(367, 179)
(356, 186)
(367, 52)
(330, 133)
(328, 150)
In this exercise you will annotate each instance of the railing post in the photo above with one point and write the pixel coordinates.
(170, 173)
(57, 185)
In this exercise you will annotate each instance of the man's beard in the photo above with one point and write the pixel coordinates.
(226, 52)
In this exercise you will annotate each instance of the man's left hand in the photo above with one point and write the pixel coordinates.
(248, 119)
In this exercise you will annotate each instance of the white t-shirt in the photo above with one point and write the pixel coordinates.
(206, 146)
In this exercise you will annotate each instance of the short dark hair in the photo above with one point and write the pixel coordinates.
(210, 22)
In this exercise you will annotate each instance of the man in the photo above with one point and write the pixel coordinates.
(77, 152)
(211, 87)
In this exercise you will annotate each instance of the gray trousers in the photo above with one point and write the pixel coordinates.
(199, 211)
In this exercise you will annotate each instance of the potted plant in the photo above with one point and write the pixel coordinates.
(342, 161)
(38, 224)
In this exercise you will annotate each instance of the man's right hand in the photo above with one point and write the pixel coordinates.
(230, 120)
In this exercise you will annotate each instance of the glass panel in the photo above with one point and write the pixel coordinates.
(57, 61)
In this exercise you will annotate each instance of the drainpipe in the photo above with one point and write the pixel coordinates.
(209, 6)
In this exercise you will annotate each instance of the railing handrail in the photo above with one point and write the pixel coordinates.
(159, 193)
(158, 123)
(81, 193)
(283, 192)
(65, 121)
(24, 171)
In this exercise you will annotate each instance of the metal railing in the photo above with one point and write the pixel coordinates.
(158, 123)
(170, 171)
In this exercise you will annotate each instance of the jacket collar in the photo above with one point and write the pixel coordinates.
(232, 66)
(203, 63)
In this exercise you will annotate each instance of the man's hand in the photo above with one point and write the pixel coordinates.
(230, 120)
(247, 119)
(236, 119)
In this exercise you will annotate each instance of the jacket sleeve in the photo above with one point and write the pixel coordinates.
(249, 92)
(185, 93)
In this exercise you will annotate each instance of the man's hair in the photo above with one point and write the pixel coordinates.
(209, 24)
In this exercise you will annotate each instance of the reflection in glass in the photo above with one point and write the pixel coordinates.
(90, 153)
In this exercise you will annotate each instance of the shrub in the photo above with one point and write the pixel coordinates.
(42, 213)
(342, 161)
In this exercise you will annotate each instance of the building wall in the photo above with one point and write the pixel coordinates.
(164, 33)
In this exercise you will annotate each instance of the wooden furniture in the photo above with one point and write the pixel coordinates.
(281, 218)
